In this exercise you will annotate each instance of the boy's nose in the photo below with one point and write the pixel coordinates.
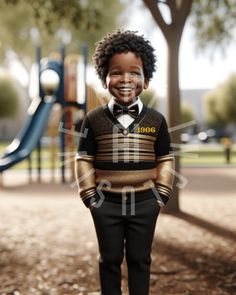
(126, 77)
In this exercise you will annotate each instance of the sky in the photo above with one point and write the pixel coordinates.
(197, 71)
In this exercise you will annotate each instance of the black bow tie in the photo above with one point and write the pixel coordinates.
(119, 110)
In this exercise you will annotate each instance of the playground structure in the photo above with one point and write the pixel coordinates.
(58, 80)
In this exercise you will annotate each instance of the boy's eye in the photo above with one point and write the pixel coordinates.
(115, 73)
(135, 73)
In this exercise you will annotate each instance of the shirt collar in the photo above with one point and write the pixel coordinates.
(138, 102)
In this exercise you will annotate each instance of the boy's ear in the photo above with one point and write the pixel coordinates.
(146, 84)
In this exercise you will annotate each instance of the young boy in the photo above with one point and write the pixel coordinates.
(124, 164)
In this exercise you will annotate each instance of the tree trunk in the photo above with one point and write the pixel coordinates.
(173, 113)
(172, 32)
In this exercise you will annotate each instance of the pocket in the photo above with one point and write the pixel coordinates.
(96, 207)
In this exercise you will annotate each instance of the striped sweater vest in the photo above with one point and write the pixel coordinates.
(112, 158)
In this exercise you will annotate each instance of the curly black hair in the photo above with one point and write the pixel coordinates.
(123, 41)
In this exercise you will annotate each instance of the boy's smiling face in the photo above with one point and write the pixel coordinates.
(125, 79)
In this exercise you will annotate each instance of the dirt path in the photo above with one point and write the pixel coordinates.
(48, 244)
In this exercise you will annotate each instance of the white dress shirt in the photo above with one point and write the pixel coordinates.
(125, 119)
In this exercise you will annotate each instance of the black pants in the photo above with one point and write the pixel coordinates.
(125, 229)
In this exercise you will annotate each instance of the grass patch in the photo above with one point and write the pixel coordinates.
(206, 154)
(190, 155)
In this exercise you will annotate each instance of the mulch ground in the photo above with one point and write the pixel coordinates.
(48, 244)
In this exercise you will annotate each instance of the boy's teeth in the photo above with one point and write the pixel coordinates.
(125, 88)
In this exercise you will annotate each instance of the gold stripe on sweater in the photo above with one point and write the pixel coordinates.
(164, 190)
(132, 142)
(115, 138)
(118, 156)
(88, 194)
(169, 157)
(85, 177)
(85, 157)
(165, 174)
(120, 179)
(137, 144)
(119, 149)
(130, 136)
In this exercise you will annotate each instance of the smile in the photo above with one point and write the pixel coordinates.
(125, 89)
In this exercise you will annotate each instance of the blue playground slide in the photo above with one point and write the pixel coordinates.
(29, 136)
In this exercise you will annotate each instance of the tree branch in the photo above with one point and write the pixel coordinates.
(184, 11)
(156, 13)
(179, 12)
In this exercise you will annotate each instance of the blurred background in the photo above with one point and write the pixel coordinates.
(48, 83)
(205, 105)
